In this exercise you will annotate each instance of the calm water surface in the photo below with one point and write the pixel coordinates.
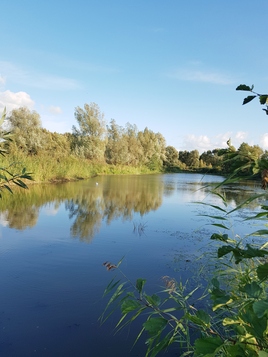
(55, 238)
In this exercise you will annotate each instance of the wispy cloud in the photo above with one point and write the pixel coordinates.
(194, 73)
(12, 100)
(28, 77)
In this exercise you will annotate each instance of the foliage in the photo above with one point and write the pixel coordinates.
(9, 174)
(89, 138)
(235, 324)
(263, 98)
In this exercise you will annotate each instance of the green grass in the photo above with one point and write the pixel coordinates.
(49, 169)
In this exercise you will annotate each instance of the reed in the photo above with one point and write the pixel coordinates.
(52, 169)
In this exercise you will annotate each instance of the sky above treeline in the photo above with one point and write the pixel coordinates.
(172, 66)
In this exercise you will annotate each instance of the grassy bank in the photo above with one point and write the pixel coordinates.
(49, 169)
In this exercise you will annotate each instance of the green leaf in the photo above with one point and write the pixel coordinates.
(201, 318)
(153, 300)
(244, 87)
(220, 237)
(262, 354)
(154, 326)
(263, 98)
(222, 251)
(260, 308)
(219, 225)
(207, 346)
(260, 232)
(262, 271)
(248, 99)
(253, 290)
(129, 305)
(140, 284)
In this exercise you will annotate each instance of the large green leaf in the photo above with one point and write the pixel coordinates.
(154, 326)
(129, 305)
(248, 99)
(201, 318)
(253, 289)
(207, 346)
(244, 87)
(262, 271)
(140, 284)
(260, 308)
(263, 98)
(153, 300)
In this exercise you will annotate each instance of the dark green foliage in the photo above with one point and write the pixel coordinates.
(262, 97)
(236, 322)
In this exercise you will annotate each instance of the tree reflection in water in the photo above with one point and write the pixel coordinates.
(114, 197)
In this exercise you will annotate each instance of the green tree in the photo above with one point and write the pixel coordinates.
(89, 139)
(26, 129)
(117, 147)
(154, 148)
(172, 157)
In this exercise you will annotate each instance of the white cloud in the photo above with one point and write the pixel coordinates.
(12, 100)
(28, 77)
(241, 135)
(201, 142)
(264, 141)
(204, 142)
(55, 110)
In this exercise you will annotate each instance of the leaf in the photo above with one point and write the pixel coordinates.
(253, 290)
(260, 308)
(262, 354)
(220, 237)
(260, 232)
(155, 326)
(246, 202)
(153, 300)
(262, 271)
(140, 284)
(248, 99)
(201, 318)
(220, 226)
(263, 98)
(244, 87)
(207, 346)
(129, 305)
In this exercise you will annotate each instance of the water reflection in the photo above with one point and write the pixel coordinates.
(89, 203)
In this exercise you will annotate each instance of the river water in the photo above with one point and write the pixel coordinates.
(54, 240)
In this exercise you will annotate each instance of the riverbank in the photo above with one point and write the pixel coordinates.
(48, 169)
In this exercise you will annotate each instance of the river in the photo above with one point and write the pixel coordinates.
(54, 240)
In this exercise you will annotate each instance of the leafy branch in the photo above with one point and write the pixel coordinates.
(7, 175)
(263, 98)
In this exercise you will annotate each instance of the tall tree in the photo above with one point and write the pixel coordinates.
(172, 157)
(89, 138)
(26, 128)
(116, 149)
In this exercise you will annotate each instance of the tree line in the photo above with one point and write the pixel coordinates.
(113, 144)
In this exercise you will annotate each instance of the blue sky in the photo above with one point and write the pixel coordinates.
(171, 66)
